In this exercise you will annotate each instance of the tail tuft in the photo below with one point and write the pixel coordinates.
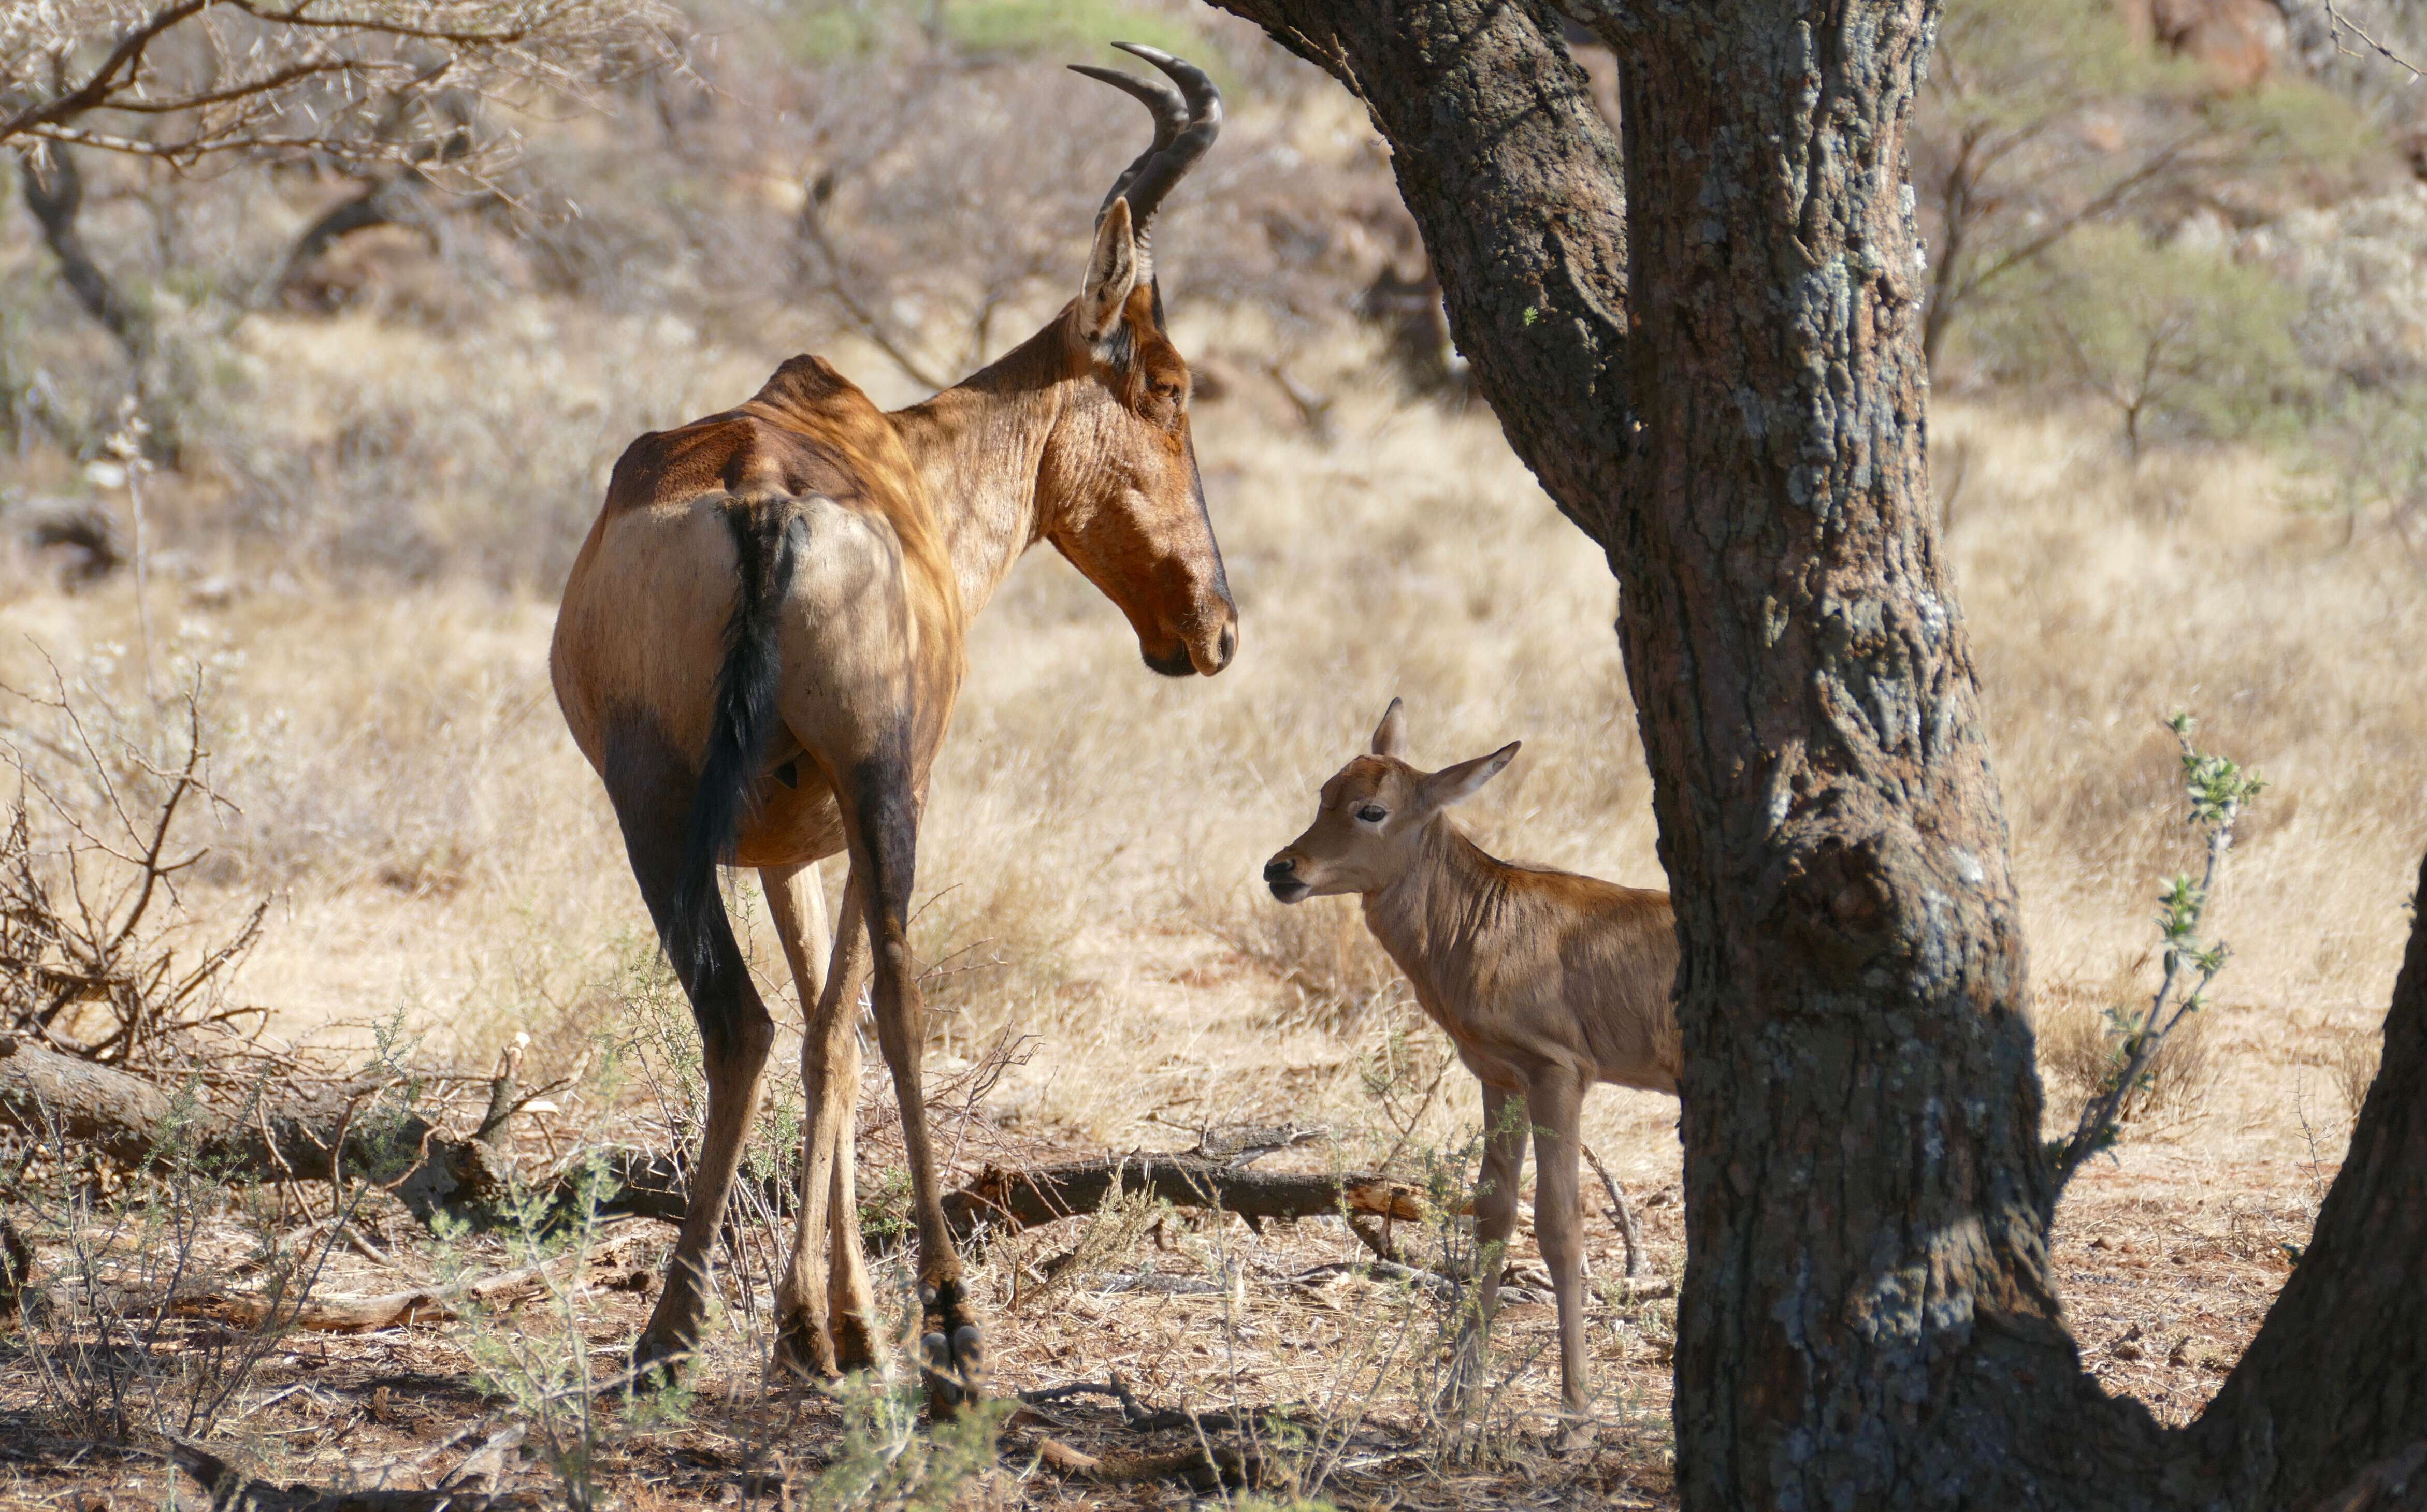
(744, 718)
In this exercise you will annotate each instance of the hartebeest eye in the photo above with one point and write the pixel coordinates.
(1373, 814)
(1164, 400)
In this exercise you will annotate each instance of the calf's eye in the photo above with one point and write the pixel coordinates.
(1372, 815)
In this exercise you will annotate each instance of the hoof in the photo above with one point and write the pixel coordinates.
(951, 1348)
(805, 1353)
(855, 1345)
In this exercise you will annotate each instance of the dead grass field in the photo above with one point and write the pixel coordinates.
(398, 780)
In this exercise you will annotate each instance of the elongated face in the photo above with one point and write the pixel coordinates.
(1119, 485)
(1118, 490)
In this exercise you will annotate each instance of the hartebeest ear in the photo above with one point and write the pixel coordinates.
(1112, 272)
(1390, 736)
(1457, 784)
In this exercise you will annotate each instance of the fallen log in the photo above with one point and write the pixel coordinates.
(363, 1130)
(1023, 1198)
(1209, 1468)
(390, 1309)
(232, 1490)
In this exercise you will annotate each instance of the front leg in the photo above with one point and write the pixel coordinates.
(822, 1306)
(883, 817)
(1505, 1131)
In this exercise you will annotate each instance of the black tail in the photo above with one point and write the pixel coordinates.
(744, 720)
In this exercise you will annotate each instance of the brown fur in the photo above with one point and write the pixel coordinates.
(1546, 983)
(860, 543)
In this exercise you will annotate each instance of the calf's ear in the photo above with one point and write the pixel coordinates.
(1390, 736)
(1457, 784)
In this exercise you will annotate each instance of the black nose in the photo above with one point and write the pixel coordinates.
(1228, 646)
(1174, 663)
(1279, 869)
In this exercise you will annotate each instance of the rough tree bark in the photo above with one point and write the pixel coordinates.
(1737, 413)
(2333, 1392)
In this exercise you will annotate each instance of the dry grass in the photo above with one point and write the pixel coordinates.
(2353, 1054)
(2081, 1044)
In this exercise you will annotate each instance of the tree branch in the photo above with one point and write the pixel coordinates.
(127, 55)
(55, 193)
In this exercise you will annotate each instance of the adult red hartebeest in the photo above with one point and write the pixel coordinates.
(759, 649)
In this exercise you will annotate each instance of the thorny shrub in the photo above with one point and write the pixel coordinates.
(107, 1329)
(95, 958)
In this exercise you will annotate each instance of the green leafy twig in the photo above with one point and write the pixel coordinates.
(2219, 791)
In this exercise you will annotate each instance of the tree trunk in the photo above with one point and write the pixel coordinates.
(1737, 413)
(1482, 108)
(2335, 1383)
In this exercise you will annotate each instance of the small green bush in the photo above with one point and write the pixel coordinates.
(2174, 340)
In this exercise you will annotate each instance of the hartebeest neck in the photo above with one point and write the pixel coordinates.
(978, 447)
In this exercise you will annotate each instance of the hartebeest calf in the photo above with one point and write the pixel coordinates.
(761, 646)
(1546, 981)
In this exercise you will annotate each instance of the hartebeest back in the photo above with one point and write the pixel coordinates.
(760, 645)
(1546, 983)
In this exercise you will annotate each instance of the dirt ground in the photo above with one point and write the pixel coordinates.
(2168, 1257)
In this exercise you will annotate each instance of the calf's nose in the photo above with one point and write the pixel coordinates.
(1280, 868)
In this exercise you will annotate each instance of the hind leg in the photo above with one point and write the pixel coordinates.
(652, 802)
(823, 1305)
(1554, 1100)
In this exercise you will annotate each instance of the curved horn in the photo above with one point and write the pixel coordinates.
(1170, 119)
(1167, 162)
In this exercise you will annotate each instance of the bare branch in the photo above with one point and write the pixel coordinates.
(2339, 23)
(302, 77)
(125, 61)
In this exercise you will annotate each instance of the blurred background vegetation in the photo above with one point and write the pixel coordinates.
(2196, 219)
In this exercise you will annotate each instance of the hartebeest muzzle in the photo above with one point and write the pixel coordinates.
(1200, 653)
(1280, 874)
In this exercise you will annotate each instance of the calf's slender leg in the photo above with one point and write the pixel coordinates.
(1554, 1102)
(1504, 1135)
